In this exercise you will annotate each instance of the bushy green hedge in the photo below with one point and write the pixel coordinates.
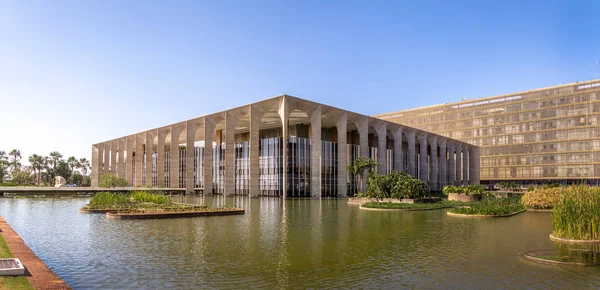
(396, 185)
(110, 180)
(577, 214)
(465, 189)
(492, 206)
(542, 198)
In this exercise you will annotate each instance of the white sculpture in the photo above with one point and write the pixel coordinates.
(59, 181)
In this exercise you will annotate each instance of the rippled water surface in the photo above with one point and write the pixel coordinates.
(290, 244)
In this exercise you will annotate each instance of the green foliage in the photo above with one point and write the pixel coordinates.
(414, 206)
(508, 185)
(577, 214)
(22, 177)
(543, 186)
(4, 164)
(359, 166)
(465, 189)
(109, 198)
(111, 180)
(542, 198)
(492, 206)
(395, 185)
(143, 196)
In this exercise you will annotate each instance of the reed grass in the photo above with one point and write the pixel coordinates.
(577, 214)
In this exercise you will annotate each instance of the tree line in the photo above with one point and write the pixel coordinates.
(42, 170)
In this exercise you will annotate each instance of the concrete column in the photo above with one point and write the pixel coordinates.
(106, 168)
(423, 168)
(465, 165)
(458, 170)
(255, 119)
(284, 113)
(189, 155)
(315, 151)
(443, 163)
(121, 154)
(114, 145)
(139, 155)
(160, 160)
(149, 148)
(363, 131)
(398, 150)
(474, 166)
(130, 145)
(451, 163)
(342, 128)
(412, 153)
(230, 121)
(209, 138)
(433, 164)
(174, 156)
(381, 147)
(95, 176)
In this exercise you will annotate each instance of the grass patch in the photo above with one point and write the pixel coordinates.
(491, 206)
(577, 215)
(8, 282)
(415, 206)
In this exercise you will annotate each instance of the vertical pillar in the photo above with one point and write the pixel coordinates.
(363, 131)
(189, 156)
(230, 121)
(465, 165)
(255, 119)
(382, 147)
(433, 164)
(139, 155)
(95, 176)
(284, 113)
(174, 156)
(451, 163)
(160, 158)
(342, 128)
(106, 168)
(412, 153)
(209, 137)
(423, 169)
(398, 150)
(121, 161)
(114, 145)
(149, 151)
(443, 163)
(315, 151)
(129, 163)
(458, 170)
(474, 167)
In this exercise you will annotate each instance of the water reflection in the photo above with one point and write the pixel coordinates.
(294, 243)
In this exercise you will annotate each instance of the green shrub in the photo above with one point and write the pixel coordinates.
(110, 180)
(109, 198)
(542, 198)
(577, 214)
(492, 206)
(465, 189)
(508, 185)
(395, 185)
(390, 205)
(150, 197)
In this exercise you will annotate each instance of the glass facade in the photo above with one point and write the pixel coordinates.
(530, 137)
(270, 166)
(242, 168)
(329, 168)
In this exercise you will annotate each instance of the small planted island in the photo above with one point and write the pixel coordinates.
(490, 206)
(143, 204)
(576, 216)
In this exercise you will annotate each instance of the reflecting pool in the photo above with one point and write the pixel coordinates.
(295, 243)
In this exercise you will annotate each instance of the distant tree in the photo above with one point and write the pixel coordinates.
(15, 159)
(63, 169)
(3, 166)
(37, 164)
(76, 178)
(73, 163)
(23, 176)
(358, 167)
(84, 164)
(111, 180)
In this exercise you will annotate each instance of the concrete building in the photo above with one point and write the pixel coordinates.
(544, 135)
(267, 148)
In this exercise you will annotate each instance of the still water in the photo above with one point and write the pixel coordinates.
(290, 244)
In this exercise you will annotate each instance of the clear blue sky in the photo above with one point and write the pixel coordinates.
(73, 73)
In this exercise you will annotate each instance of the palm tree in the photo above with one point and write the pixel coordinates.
(73, 163)
(55, 156)
(15, 158)
(37, 163)
(84, 164)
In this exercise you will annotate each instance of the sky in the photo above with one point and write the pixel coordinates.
(75, 73)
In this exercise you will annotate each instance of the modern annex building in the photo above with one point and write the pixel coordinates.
(268, 148)
(549, 134)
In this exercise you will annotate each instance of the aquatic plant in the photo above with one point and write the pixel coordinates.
(465, 189)
(542, 198)
(577, 214)
(492, 206)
